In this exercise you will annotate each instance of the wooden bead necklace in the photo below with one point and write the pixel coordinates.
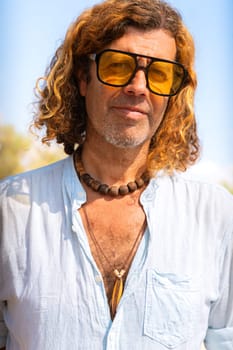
(105, 189)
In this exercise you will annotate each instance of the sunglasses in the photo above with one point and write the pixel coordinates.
(118, 68)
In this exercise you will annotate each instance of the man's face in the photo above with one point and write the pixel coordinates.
(127, 116)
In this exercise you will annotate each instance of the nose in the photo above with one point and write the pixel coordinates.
(137, 85)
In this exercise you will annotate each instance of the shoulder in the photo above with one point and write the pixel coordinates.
(24, 182)
(189, 196)
(203, 190)
(180, 185)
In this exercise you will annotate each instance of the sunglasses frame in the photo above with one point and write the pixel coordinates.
(96, 57)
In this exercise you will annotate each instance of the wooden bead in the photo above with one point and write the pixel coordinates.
(103, 189)
(86, 178)
(145, 177)
(95, 185)
(139, 182)
(132, 186)
(113, 191)
(123, 190)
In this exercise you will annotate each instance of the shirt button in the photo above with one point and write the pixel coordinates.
(98, 278)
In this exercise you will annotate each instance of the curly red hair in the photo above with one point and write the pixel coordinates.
(61, 108)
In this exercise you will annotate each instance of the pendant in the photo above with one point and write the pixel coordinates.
(117, 290)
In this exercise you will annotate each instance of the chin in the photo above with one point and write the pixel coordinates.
(125, 142)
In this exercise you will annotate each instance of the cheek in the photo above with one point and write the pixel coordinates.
(160, 106)
(96, 103)
(164, 103)
(159, 110)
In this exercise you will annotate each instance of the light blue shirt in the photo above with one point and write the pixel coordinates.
(179, 290)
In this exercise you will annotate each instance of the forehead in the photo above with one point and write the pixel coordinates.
(154, 43)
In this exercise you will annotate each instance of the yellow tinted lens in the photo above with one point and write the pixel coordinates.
(115, 68)
(165, 77)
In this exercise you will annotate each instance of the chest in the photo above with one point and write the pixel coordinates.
(114, 232)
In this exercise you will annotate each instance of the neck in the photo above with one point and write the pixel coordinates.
(116, 165)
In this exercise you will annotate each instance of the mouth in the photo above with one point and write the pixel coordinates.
(130, 111)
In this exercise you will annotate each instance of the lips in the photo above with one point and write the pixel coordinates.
(133, 109)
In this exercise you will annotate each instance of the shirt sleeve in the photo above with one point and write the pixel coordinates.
(220, 330)
(3, 329)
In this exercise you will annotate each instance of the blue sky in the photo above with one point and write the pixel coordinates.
(30, 31)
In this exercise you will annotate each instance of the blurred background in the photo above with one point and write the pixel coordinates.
(30, 32)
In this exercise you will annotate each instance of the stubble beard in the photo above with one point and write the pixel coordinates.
(122, 140)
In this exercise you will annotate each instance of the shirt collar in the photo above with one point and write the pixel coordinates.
(77, 195)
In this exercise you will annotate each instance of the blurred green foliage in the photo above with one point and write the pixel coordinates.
(12, 148)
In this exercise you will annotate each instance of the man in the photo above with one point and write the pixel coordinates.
(111, 248)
